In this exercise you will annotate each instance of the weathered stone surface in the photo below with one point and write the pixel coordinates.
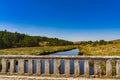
(76, 68)
(67, 67)
(30, 66)
(38, 71)
(4, 77)
(97, 68)
(59, 57)
(47, 67)
(108, 68)
(12, 66)
(86, 68)
(4, 65)
(118, 68)
(56, 67)
(21, 64)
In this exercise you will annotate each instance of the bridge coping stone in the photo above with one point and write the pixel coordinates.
(60, 57)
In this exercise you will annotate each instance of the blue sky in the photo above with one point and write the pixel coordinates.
(72, 20)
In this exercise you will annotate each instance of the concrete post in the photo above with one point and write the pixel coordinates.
(76, 68)
(38, 71)
(12, 66)
(97, 68)
(4, 65)
(86, 68)
(56, 67)
(118, 68)
(21, 65)
(30, 66)
(108, 68)
(67, 67)
(47, 66)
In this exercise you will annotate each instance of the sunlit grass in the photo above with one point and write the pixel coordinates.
(99, 50)
(35, 50)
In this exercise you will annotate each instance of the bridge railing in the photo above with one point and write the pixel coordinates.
(9, 63)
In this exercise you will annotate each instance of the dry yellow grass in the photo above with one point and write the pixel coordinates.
(35, 50)
(109, 49)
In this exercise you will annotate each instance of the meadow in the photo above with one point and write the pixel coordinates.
(100, 50)
(86, 50)
(35, 50)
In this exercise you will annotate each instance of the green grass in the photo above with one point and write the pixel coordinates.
(35, 50)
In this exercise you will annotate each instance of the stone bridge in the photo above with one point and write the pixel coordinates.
(111, 65)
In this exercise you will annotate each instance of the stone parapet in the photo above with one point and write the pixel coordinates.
(96, 61)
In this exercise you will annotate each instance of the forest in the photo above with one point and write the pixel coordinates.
(15, 40)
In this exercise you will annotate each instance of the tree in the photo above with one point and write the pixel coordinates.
(102, 42)
(13, 40)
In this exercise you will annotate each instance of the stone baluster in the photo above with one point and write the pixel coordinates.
(12, 66)
(57, 63)
(47, 66)
(76, 68)
(56, 67)
(30, 66)
(21, 64)
(97, 68)
(86, 68)
(108, 68)
(38, 71)
(4, 65)
(118, 68)
(67, 67)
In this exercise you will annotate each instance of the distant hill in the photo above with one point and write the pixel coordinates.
(94, 43)
(14, 40)
(116, 41)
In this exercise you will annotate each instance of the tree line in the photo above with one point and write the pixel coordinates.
(94, 43)
(14, 40)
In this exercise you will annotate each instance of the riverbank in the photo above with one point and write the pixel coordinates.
(100, 50)
(36, 50)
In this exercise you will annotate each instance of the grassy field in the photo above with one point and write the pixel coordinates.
(35, 50)
(100, 50)
(88, 50)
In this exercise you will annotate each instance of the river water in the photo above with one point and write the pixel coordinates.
(66, 53)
